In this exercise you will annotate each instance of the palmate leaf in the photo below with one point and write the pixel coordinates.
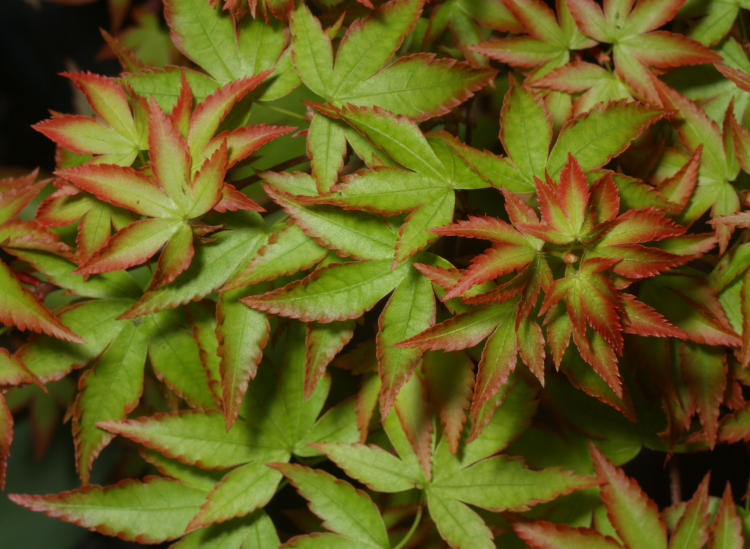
(597, 84)
(426, 191)
(399, 87)
(209, 39)
(116, 141)
(593, 138)
(476, 479)
(635, 40)
(68, 205)
(547, 43)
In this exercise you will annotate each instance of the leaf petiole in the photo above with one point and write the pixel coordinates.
(410, 533)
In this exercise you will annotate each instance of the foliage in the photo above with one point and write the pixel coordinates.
(284, 252)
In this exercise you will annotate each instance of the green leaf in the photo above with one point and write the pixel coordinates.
(311, 51)
(458, 524)
(19, 308)
(380, 36)
(344, 510)
(379, 470)
(291, 413)
(326, 146)
(240, 492)
(116, 284)
(336, 292)
(385, 190)
(458, 173)
(255, 531)
(287, 251)
(727, 527)
(398, 136)
(450, 378)
(602, 133)
(418, 86)
(189, 475)
(149, 511)
(458, 332)
(194, 437)
(355, 234)
(176, 360)
(338, 424)
(502, 483)
(110, 390)
(498, 171)
(517, 407)
(691, 531)
(242, 333)
(323, 342)
(634, 516)
(526, 131)
(207, 37)
(410, 310)
(50, 359)
(415, 234)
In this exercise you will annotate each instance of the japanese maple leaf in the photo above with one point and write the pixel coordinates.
(116, 137)
(188, 165)
(548, 42)
(370, 80)
(276, 422)
(453, 484)
(637, 46)
(637, 521)
(18, 306)
(347, 220)
(580, 235)
(533, 147)
(722, 152)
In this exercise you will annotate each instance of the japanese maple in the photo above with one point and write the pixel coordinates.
(290, 258)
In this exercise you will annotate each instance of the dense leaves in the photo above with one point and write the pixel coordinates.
(437, 269)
